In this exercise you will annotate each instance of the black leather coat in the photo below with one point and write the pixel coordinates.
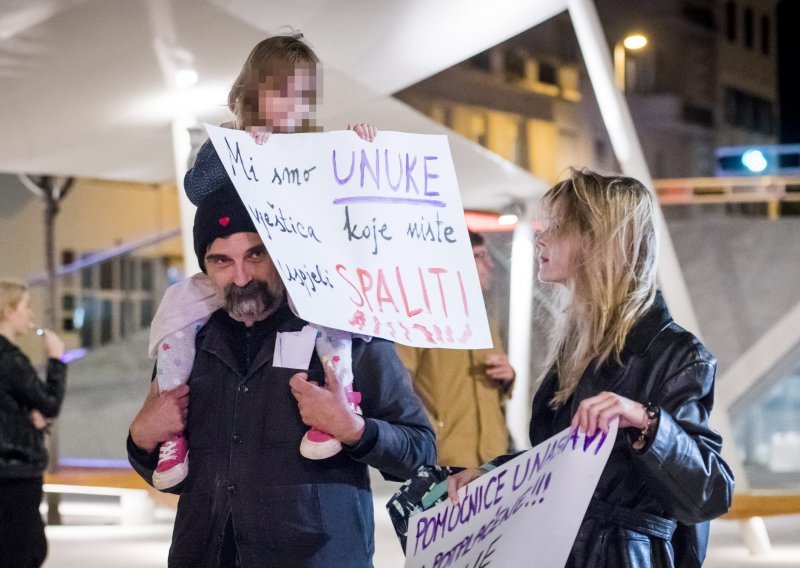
(22, 450)
(679, 482)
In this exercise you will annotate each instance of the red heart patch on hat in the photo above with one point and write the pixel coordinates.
(224, 221)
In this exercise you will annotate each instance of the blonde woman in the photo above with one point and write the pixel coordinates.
(24, 403)
(617, 354)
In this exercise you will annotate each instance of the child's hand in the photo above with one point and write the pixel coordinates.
(259, 133)
(365, 131)
(260, 136)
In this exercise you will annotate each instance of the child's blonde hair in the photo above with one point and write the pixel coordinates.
(11, 292)
(269, 65)
(611, 221)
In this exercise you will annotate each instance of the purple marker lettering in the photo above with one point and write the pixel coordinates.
(409, 177)
(400, 170)
(342, 181)
(375, 173)
(428, 176)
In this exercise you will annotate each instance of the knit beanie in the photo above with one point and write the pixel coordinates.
(220, 214)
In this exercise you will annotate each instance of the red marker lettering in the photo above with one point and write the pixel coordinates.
(410, 313)
(340, 268)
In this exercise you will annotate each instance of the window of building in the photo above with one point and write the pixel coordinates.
(107, 275)
(749, 32)
(600, 151)
(548, 73)
(699, 15)
(763, 117)
(730, 20)
(514, 65)
(749, 112)
(765, 35)
(698, 115)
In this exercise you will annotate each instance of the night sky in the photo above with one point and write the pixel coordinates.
(789, 70)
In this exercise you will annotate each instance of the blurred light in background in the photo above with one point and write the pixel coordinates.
(754, 160)
(634, 41)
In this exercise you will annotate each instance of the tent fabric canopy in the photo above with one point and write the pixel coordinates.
(86, 83)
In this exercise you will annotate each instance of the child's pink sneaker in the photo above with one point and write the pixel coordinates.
(173, 463)
(319, 445)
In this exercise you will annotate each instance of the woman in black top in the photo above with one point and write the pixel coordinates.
(617, 354)
(25, 403)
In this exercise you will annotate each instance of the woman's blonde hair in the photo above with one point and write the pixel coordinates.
(611, 223)
(11, 292)
(269, 66)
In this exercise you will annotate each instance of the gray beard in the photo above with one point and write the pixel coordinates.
(252, 300)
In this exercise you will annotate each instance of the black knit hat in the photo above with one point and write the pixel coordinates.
(220, 214)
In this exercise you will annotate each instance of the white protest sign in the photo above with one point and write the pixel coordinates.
(532, 505)
(367, 237)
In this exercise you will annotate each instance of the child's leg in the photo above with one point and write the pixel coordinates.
(335, 346)
(176, 356)
(173, 366)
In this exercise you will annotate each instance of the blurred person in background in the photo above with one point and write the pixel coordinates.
(464, 390)
(25, 404)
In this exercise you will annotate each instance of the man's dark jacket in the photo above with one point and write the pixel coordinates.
(22, 450)
(244, 433)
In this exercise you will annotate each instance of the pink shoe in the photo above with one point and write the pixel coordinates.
(319, 445)
(173, 463)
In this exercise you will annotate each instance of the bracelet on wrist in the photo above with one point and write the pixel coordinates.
(652, 413)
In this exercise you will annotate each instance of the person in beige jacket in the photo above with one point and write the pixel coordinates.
(464, 390)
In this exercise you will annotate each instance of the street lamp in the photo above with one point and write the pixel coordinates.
(631, 42)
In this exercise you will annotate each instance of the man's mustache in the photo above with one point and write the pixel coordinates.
(251, 299)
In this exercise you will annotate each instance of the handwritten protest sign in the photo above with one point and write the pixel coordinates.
(367, 237)
(532, 505)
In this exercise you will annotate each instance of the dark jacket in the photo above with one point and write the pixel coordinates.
(679, 477)
(244, 433)
(22, 450)
(679, 482)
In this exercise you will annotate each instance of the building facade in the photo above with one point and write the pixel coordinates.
(705, 79)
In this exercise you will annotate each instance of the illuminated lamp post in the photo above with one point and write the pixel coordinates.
(632, 42)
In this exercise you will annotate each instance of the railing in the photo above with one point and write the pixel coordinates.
(107, 295)
(772, 190)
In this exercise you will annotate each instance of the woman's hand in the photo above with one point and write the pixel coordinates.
(459, 480)
(365, 131)
(598, 411)
(53, 344)
(37, 419)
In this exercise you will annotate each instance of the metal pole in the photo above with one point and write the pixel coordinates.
(619, 65)
(627, 149)
(519, 329)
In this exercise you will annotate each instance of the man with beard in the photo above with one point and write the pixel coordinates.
(250, 498)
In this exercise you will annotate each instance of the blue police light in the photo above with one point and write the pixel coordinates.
(754, 160)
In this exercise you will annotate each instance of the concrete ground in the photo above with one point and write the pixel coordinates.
(93, 538)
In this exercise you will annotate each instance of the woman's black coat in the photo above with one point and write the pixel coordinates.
(22, 450)
(680, 476)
